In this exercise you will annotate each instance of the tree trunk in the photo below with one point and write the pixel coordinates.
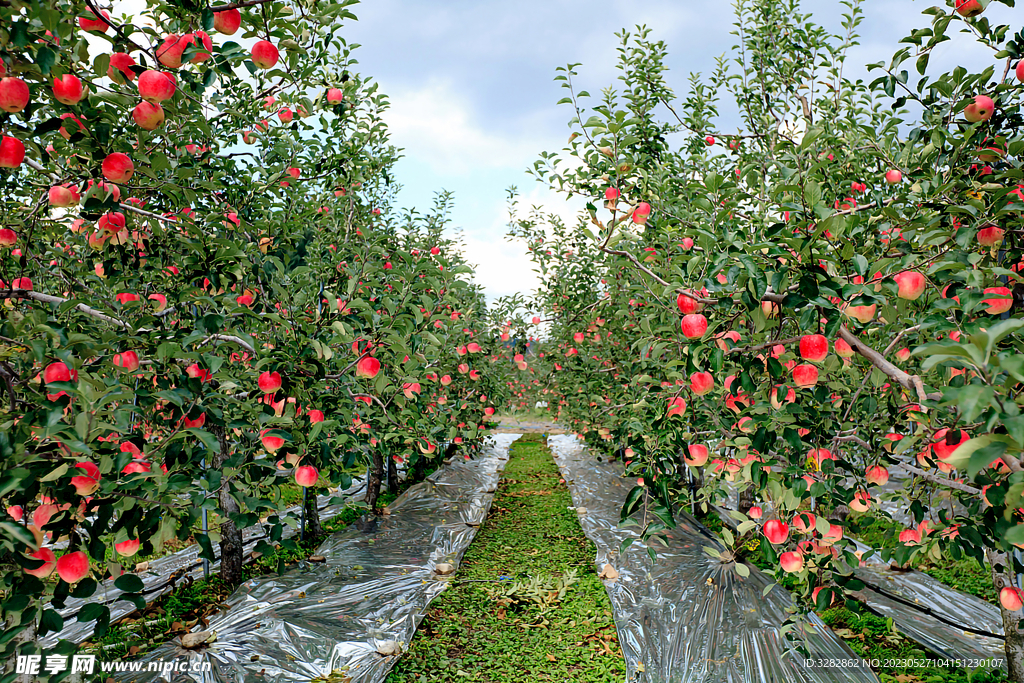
(1013, 639)
(374, 480)
(746, 499)
(312, 513)
(230, 535)
(392, 476)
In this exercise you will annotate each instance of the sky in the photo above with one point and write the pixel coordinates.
(473, 100)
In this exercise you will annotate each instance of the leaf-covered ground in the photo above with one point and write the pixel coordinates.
(505, 619)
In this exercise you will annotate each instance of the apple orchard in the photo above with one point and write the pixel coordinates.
(798, 307)
(208, 298)
(206, 295)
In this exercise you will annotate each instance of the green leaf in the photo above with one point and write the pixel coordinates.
(129, 583)
(742, 569)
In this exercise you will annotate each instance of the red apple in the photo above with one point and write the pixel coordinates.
(676, 407)
(776, 531)
(755, 512)
(148, 116)
(369, 366)
(161, 301)
(910, 284)
(56, 372)
(804, 522)
(73, 567)
(862, 313)
(861, 501)
(64, 131)
(969, 8)
(306, 475)
(843, 350)
(14, 94)
(127, 548)
(694, 325)
(87, 483)
(893, 176)
(1010, 598)
(49, 563)
(265, 54)
(335, 96)
(777, 402)
(1001, 302)
(813, 347)
(945, 442)
(227, 21)
(687, 304)
(701, 383)
(697, 455)
(269, 382)
(12, 152)
(271, 443)
(877, 475)
(91, 22)
(120, 69)
(910, 536)
(991, 236)
(285, 114)
(7, 237)
(127, 361)
(118, 168)
(156, 86)
(770, 309)
(1020, 70)
(68, 89)
(170, 52)
(641, 213)
(805, 376)
(205, 45)
(63, 195)
(979, 110)
(316, 416)
(791, 562)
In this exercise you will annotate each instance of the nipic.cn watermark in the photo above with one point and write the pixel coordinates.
(36, 665)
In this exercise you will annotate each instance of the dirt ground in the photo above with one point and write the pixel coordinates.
(508, 424)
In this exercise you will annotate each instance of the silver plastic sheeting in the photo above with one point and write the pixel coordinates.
(163, 573)
(687, 617)
(370, 594)
(948, 623)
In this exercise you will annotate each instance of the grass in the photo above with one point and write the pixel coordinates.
(486, 630)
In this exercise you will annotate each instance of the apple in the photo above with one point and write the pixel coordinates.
(687, 304)
(92, 22)
(770, 309)
(196, 423)
(136, 467)
(63, 195)
(862, 313)
(22, 283)
(73, 567)
(805, 376)
(148, 116)
(710, 140)
(694, 325)
(776, 531)
(49, 563)
(118, 168)
(991, 236)
(777, 402)
(701, 383)
(1010, 598)
(86, 484)
(1020, 70)
(945, 442)
(910, 285)
(112, 223)
(791, 561)
(56, 372)
(876, 474)
(121, 64)
(12, 152)
(687, 243)
(127, 548)
(755, 512)
(804, 522)
(156, 86)
(676, 407)
(127, 361)
(893, 176)
(843, 350)
(271, 443)
(641, 213)
(833, 535)
(65, 133)
(969, 8)
(1001, 302)
(170, 52)
(813, 347)
(161, 301)
(205, 44)
(446, 380)
(910, 536)
(265, 54)
(306, 475)
(979, 110)
(697, 455)
(316, 416)
(368, 367)
(269, 382)
(227, 21)
(861, 501)
(285, 114)
(7, 237)
(335, 96)
(68, 89)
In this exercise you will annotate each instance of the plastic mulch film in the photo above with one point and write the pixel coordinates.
(164, 573)
(687, 617)
(950, 624)
(338, 618)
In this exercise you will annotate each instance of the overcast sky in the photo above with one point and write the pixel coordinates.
(473, 100)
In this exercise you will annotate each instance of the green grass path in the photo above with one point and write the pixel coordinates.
(474, 633)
